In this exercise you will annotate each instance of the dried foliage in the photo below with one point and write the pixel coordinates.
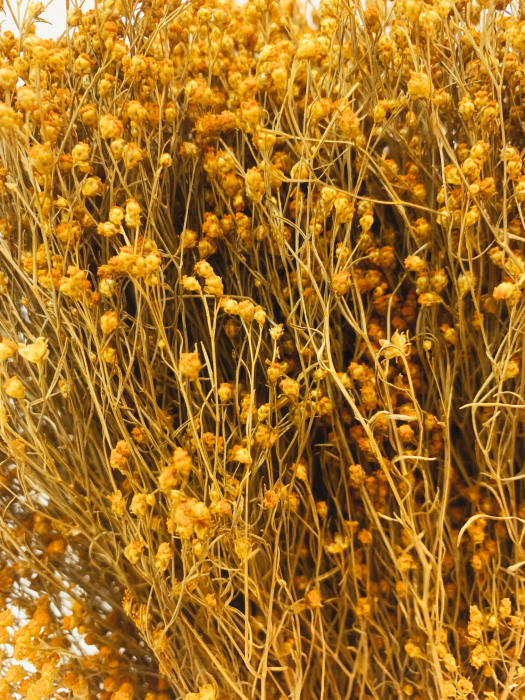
(262, 404)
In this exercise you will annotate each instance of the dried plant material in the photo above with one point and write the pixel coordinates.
(262, 405)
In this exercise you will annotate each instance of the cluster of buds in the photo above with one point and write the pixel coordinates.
(191, 517)
(141, 261)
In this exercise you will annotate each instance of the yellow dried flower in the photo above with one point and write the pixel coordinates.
(7, 349)
(419, 85)
(133, 211)
(164, 556)
(190, 365)
(290, 388)
(92, 187)
(110, 127)
(133, 551)
(37, 352)
(341, 282)
(41, 158)
(14, 388)
(109, 322)
(118, 503)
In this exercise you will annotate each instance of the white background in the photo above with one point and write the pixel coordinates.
(55, 14)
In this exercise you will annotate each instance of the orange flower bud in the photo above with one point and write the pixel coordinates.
(133, 211)
(419, 85)
(190, 365)
(89, 115)
(134, 550)
(34, 353)
(109, 322)
(14, 388)
(92, 187)
(225, 392)
(132, 155)
(8, 77)
(83, 64)
(290, 388)
(213, 285)
(41, 158)
(118, 503)
(26, 98)
(7, 349)
(110, 127)
(313, 599)
(164, 556)
(341, 282)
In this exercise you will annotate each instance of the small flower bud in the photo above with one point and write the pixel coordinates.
(225, 392)
(190, 365)
(213, 285)
(92, 187)
(118, 503)
(133, 551)
(341, 282)
(190, 284)
(357, 475)
(277, 331)
(290, 388)
(274, 372)
(41, 158)
(107, 288)
(313, 599)
(260, 315)
(415, 264)
(109, 322)
(419, 85)
(34, 353)
(7, 349)
(14, 388)
(110, 127)
(133, 211)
